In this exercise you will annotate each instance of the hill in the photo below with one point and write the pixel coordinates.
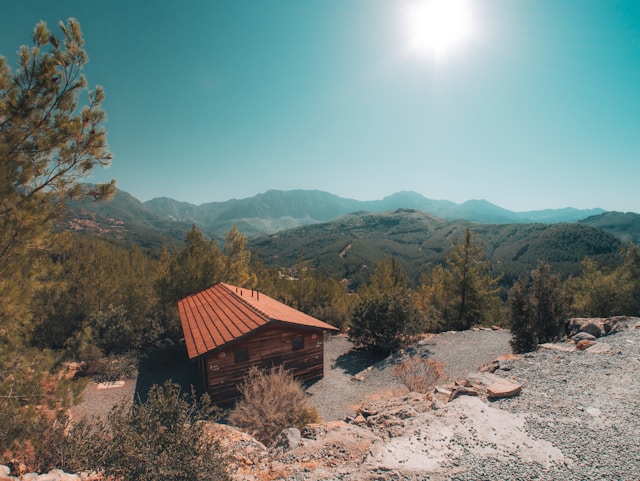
(350, 246)
(625, 226)
(302, 225)
(124, 218)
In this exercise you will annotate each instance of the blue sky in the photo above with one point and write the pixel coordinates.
(538, 106)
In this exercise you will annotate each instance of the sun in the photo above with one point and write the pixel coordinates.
(438, 26)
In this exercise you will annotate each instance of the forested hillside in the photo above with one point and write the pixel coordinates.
(349, 246)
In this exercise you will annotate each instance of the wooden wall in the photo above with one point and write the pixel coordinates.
(268, 347)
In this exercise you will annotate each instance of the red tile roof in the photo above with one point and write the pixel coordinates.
(224, 313)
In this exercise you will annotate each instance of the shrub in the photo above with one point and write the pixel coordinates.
(384, 323)
(272, 401)
(420, 374)
(34, 398)
(160, 439)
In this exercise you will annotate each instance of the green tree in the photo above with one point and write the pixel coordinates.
(386, 322)
(598, 292)
(197, 266)
(523, 329)
(50, 139)
(537, 309)
(237, 260)
(472, 289)
(432, 297)
(388, 275)
(547, 303)
(630, 281)
(47, 145)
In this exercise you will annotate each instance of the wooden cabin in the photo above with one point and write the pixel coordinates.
(228, 329)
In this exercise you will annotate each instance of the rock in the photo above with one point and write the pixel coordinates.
(4, 471)
(584, 336)
(359, 419)
(289, 439)
(584, 344)
(503, 389)
(57, 475)
(598, 348)
(592, 329)
(554, 346)
(492, 366)
(463, 391)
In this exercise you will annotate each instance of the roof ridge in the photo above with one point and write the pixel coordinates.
(245, 302)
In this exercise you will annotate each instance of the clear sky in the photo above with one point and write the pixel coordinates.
(534, 104)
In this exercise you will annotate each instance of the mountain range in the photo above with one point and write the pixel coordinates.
(277, 210)
(344, 236)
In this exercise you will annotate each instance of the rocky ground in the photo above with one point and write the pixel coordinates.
(575, 419)
(570, 413)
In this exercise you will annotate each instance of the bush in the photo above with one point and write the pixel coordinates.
(419, 374)
(160, 439)
(384, 323)
(34, 398)
(272, 401)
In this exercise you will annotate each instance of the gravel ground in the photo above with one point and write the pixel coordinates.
(585, 404)
(338, 394)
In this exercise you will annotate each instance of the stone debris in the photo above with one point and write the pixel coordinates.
(53, 475)
(585, 344)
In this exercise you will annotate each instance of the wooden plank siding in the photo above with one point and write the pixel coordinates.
(270, 346)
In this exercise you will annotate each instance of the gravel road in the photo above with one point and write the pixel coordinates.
(338, 394)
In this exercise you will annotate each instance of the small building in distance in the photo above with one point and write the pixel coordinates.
(228, 329)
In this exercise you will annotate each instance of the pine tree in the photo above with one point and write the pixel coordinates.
(50, 139)
(48, 143)
(472, 288)
(237, 260)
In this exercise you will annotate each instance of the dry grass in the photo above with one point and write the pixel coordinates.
(272, 401)
(420, 374)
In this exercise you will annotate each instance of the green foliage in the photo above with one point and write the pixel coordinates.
(537, 310)
(603, 291)
(471, 289)
(162, 438)
(523, 328)
(272, 401)
(48, 142)
(236, 269)
(386, 322)
(349, 247)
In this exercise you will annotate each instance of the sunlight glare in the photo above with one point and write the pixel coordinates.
(437, 26)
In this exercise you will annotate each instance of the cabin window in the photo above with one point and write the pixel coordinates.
(241, 354)
(297, 343)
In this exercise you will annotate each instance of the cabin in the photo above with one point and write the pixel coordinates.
(228, 329)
